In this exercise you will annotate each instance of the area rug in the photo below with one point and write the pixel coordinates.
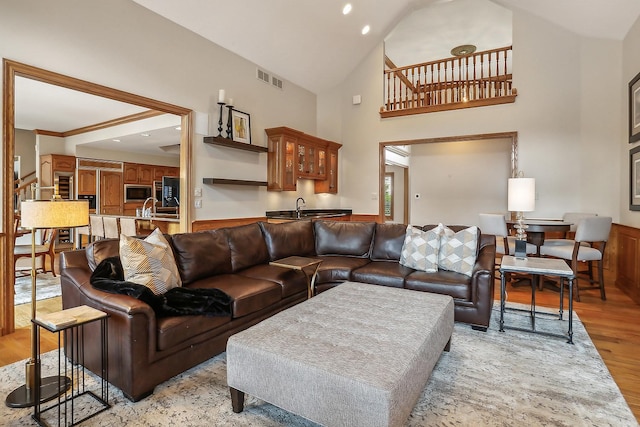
(495, 378)
(47, 287)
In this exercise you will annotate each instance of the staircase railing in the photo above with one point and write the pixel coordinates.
(482, 78)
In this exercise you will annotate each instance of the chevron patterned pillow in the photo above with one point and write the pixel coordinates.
(149, 262)
(420, 249)
(458, 251)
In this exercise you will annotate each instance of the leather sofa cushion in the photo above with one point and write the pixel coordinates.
(344, 238)
(385, 273)
(387, 241)
(288, 239)
(451, 283)
(247, 246)
(178, 329)
(291, 281)
(338, 268)
(100, 250)
(249, 295)
(202, 254)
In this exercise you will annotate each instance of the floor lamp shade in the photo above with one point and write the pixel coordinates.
(54, 214)
(521, 195)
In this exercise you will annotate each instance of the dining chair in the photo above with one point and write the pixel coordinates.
(573, 218)
(111, 227)
(595, 232)
(46, 248)
(96, 227)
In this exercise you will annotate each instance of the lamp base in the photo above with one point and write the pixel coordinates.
(521, 249)
(50, 388)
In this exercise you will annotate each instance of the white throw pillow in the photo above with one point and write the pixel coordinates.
(420, 249)
(149, 262)
(458, 251)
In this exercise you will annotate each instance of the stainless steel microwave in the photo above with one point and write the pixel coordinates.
(137, 193)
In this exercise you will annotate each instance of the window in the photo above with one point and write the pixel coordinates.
(388, 196)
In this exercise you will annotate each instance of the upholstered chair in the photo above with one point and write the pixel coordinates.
(574, 219)
(593, 231)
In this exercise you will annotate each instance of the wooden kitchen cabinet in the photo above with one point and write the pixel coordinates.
(56, 166)
(111, 193)
(296, 155)
(160, 171)
(330, 183)
(281, 164)
(136, 173)
(86, 181)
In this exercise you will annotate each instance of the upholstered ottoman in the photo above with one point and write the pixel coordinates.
(355, 355)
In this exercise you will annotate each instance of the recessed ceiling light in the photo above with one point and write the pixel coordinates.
(115, 140)
(365, 29)
(346, 9)
(145, 134)
(179, 128)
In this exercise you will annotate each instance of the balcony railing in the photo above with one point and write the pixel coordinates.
(479, 79)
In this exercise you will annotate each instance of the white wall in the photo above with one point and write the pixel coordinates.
(562, 131)
(122, 45)
(630, 67)
(455, 182)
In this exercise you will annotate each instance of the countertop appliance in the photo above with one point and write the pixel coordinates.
(137, 193)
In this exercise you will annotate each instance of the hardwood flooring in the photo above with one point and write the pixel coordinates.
(613, 325)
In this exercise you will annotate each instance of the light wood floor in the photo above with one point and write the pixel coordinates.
(613, 325)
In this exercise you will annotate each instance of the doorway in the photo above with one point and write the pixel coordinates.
(11, 70)
(459, 186)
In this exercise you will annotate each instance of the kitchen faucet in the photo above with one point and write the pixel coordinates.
(299, 199)
(147, 211)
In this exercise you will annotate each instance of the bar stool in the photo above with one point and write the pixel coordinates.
(128, 226)
(97, 227)
(111, 227)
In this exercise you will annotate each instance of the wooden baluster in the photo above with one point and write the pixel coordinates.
(388, 90)
(506, 92)
(497, 73)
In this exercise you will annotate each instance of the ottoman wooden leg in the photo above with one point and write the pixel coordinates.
(237, 400)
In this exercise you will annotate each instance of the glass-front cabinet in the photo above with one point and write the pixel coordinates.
(295, 155)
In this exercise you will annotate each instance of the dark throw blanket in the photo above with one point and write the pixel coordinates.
(109, 277)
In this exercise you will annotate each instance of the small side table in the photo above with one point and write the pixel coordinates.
(537, 267)
(72, 322)
(302, 264)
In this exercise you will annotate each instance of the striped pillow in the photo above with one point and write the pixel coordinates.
(149, 262)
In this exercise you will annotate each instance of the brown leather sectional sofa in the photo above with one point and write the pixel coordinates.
(145, 350)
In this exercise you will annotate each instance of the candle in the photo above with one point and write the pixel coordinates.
(230, 101)
(221, 96)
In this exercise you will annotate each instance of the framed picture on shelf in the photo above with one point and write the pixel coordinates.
(634, 109)
(634, 179)
(241, 126)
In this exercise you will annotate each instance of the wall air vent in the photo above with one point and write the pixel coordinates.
(276, 82)
(263, 75)
(268, 78)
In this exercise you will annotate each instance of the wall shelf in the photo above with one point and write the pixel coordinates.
(218, 181)
(226, 142)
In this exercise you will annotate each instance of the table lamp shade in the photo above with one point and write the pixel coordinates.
(521, 195)
(54, 214)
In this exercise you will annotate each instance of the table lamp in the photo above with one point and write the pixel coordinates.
(44, 214)
(521, 197)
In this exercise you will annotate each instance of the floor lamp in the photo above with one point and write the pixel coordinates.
(521, 197)
(43, 214)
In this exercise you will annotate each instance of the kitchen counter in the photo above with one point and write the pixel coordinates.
(291, 215)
